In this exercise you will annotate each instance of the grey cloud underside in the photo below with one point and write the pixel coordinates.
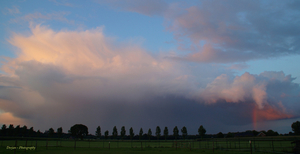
(68, 100)
(238, 31)
(246, 31)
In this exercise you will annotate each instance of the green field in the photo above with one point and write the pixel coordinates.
(232, 145)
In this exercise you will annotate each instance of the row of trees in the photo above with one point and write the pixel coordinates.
(80, 131)
(201, 132)
(19, 131)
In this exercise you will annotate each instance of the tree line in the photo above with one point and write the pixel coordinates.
(81, 131)
(142, 135)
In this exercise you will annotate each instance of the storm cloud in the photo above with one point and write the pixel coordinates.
(60, 78)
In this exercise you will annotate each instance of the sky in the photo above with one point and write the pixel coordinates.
(230, 65)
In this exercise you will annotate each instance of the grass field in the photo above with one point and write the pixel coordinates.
(232, 145)
(69, 150)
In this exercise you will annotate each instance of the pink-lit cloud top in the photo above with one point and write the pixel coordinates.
(63, 76)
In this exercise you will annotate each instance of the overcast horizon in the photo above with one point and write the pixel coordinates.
(229, 65)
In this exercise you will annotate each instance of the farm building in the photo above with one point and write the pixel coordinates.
(261, 134)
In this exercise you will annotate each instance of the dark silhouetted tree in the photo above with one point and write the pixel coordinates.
(24, 130)
(271, 133)
(59, 131)
(149, 133)
(115, 132)
(158, 131)
(184, 132)
(38, 133)
(79, 131)
(166, 132)
(201, 131)
(31, 131)
(10, 130)
(17, 131)
(106, 134)
(220, 135)
(255, 133)
(51, 132)
(98, 131)
(3, 130)
(229, 135)
(141, 133)
(296, 127)
(123, 132)
(131, 133)
(175, 132)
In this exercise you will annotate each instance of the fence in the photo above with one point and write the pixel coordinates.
(272, 145)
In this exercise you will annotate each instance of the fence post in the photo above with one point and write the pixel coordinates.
(239, 145)
(108, 145)
(213, 146)
(16, 146)
(234, 145)
(193, 144)
(35, 144)
(207, 144)
(250, 147)
(254, 145)
(226, 143)
(141, 145)
(272, 145)
(26, 145)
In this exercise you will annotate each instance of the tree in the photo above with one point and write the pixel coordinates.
(17, 131)
(229, 135)
(98, 131)
(59, 131)
(31, 131)
(131, 133)
(10, 130)
(141, 133)
(38, 133)
(149, 133)
(255, 133)
(123, 132)
(51, 132)
(220, 135)
(296, 127)
(201, 131)
(24, 130)
(115, 132)
(184, 132)
(166, 132)
(175, 132)
(271, 133)
(106, 134)
(3, 130)
(158, 131)
(79, 130)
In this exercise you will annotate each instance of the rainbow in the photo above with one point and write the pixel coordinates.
(254, 118)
